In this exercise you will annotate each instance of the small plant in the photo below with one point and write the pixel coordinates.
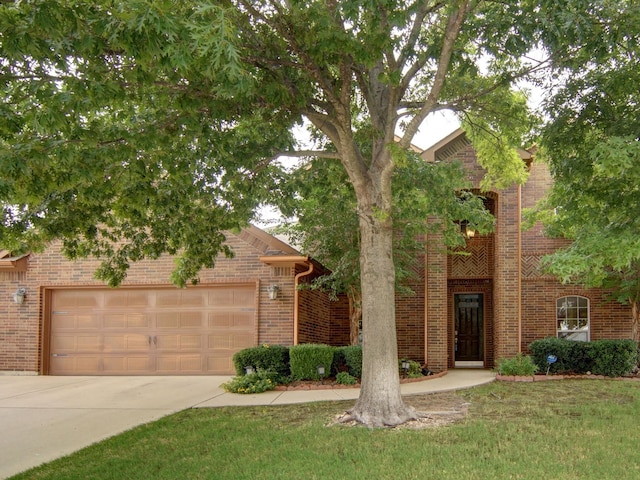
(414, 369)
(343, 378)
(257, 382)
(520, 365)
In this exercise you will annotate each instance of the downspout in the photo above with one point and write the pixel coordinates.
(296, 301)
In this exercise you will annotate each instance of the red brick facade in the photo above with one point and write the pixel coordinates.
(519, 303)
(498, 284)
(23, 327)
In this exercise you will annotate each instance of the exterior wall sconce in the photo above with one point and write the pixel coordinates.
(273, 291)
(466, 230)
(18, 297)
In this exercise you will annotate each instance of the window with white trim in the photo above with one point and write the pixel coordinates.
(572, 314)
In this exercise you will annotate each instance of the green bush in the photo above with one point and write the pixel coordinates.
(601, 357)
(614, 358)
(273, 358)
(349, 358)
(520, 365)
(414, 371)
(305, 358)
(344, 378)
(257, 382)
(572, 355)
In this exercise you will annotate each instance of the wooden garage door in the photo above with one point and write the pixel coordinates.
(150, 331)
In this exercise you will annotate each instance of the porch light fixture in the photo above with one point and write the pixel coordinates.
(321, 371)
(273, 290)
(466, 229)
(18, 297)
(248, 370)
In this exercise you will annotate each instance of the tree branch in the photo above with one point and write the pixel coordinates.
(308, 153)
(451, 34)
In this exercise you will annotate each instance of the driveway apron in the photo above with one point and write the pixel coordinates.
(44, 417)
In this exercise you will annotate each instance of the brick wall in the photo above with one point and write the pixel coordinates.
(540, 292)
(410, 324)
(21, 325)
(436, 336)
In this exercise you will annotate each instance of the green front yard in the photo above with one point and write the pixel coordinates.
(572, 429)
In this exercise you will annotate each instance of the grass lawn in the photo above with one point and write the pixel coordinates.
(572, 429)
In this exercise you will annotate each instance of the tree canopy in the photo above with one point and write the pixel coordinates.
(593, 148)
(134, 128)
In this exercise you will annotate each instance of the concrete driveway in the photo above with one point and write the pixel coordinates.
(43, 418)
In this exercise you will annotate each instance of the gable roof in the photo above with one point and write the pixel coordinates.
(456, 142)
(266, 243)
(9, 263)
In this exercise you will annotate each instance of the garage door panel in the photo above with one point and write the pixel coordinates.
(128, 365)
(179, 319)
(151, 331)
(74, 322)
(76, 299)
(242, 341)
(219, 341)
(183, 364)
(76, 365)
(219, 365)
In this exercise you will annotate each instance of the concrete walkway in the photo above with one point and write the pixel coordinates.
(43, 418)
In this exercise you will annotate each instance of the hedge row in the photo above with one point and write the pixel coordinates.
(300, 362)
(613, 358)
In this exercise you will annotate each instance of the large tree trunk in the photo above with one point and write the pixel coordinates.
(380, 402)
(355, 314)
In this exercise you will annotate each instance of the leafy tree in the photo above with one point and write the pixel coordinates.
(134, 128)
(323, 221)
(593, 148)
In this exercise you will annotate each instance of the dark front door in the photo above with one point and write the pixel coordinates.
(469, 327)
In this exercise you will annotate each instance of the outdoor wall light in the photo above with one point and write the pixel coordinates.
(18, 297)
(273, 291)
(466, 229)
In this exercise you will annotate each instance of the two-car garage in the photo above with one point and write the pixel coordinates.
(148, 331)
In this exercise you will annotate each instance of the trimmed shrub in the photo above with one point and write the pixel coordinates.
(520, 365)
(614, 358)
(349, 358)
(273, 358)
(257, 382)
(601, 357)
(305, 358)
(572, 355)
(344, 378)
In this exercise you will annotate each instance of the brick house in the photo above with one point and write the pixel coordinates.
(71, 324)
(468, 311)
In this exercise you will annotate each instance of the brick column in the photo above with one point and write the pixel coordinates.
(507, 320)
(436, 336)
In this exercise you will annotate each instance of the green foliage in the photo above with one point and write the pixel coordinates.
(414, 371)
(614, 358)
(520, 365)
(305, 359)
(350, 357)
(343, 378)
(256, 382)
(593, 150)
(273, 358)
(324, 221)
(600, 357)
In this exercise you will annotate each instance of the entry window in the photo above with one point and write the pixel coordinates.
(573, 318)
